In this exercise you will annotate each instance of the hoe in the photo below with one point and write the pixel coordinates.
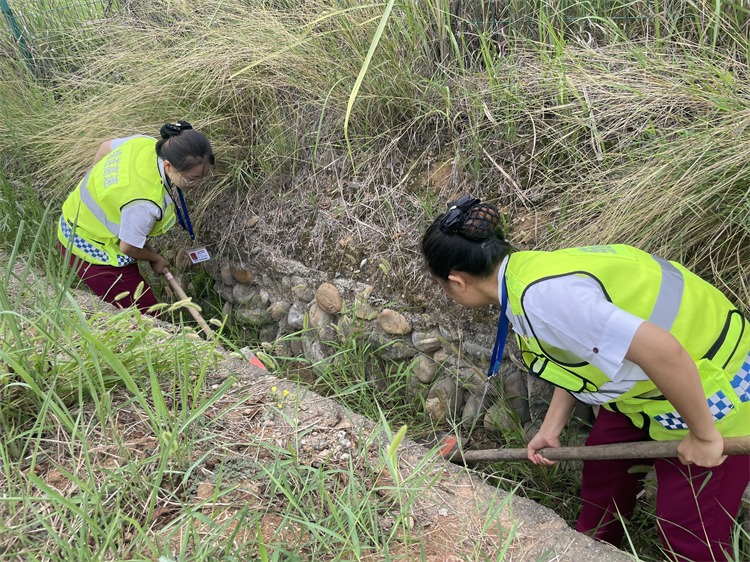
(181, 294)
(637, 450)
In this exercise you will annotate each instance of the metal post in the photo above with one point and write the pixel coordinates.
(5, 7)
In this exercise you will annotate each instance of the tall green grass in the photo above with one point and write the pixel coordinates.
(40, 27)
(106, 437)
(595, 137)
(517, 120)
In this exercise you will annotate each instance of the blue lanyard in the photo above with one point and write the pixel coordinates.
(502, 333)
(186, 220)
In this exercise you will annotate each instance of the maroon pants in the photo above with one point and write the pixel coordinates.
(108, 281)
(695, 507)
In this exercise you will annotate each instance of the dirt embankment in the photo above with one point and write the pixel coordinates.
(431, 509)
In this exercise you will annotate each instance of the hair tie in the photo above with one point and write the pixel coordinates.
(456, 215)
(174, 129)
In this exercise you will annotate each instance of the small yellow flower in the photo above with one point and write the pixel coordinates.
(286, 392)
(273, 389)
(279, 405)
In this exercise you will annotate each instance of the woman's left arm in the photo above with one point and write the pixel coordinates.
(674, 373)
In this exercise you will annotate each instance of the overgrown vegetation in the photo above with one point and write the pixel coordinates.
(636, 141)
(122, 441)
(591, 134)
(119, 443)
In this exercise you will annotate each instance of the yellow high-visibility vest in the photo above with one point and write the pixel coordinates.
(699, 316)
(94, 208)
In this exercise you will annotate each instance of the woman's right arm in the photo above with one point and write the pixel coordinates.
(158, 263)
(673, 371)
(554, 422)
(104, 149)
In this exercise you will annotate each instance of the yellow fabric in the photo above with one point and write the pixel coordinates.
(709, 327)
(127, 174)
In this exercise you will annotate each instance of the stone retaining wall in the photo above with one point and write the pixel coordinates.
(449, 370)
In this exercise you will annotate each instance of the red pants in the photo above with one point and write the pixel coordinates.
(695, 507)
(108, 281)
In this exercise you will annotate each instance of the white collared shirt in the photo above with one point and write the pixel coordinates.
(572, 314)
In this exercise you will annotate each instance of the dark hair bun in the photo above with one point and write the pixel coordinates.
(470, 218)
(468, 237)
(174, 129)
(480, 223)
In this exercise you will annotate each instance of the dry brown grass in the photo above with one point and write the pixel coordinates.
(589, 129)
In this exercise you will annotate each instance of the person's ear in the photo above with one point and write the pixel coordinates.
(460, 282)
(168, 167)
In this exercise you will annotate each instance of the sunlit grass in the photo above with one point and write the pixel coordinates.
(638, 141)
(108, 422)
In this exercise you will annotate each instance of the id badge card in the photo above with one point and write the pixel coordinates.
(198, 255)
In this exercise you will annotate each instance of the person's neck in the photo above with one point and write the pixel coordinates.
(488, 286)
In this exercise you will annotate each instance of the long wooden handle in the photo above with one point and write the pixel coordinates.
(180, 293)
(637, 450)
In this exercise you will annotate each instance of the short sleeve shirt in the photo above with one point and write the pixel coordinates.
(572, 314)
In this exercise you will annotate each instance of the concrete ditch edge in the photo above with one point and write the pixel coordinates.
(541, 533)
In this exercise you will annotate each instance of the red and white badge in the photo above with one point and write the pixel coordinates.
(198, 255)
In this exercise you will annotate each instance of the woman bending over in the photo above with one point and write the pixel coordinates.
(131, 193)
(663, 352)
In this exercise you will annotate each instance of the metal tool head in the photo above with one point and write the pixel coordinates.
(447, 443)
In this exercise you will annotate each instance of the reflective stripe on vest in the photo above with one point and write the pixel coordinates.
(741, 381)
(81, 244)
(88, 200)
(667, 305)
(718, 403)
(89, 249)
(165, 203)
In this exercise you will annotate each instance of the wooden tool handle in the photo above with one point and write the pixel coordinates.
(180, 293)
(637, 450)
